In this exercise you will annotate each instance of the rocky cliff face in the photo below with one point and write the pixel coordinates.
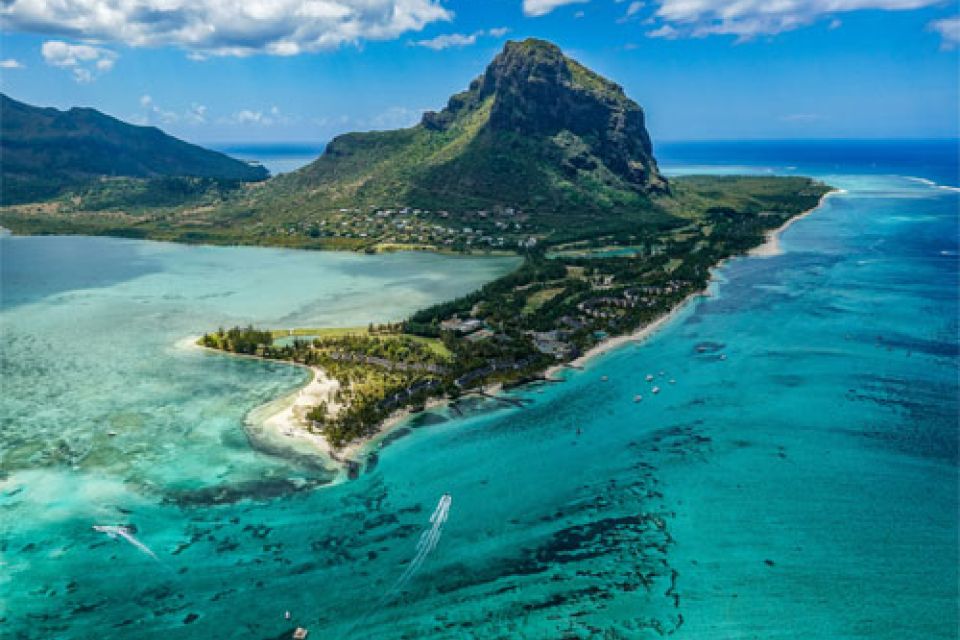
(539, 92)
(537, 132)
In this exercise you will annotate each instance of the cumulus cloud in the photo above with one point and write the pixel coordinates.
(151, 113)
(632, 10)
(264, 118)
(11, 63)
(949, 30)
(85, 61)
(225, 27)
(449, 40)
(536, 8)
(665, 31)
(750, 18)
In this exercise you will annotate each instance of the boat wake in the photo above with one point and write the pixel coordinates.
(116, 531)
(425, 545)
(427, 542)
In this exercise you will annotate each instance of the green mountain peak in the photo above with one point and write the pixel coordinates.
(537, 130)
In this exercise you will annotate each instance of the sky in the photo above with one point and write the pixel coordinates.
(229, 71)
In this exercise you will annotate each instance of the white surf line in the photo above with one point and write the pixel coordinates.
(114, 531)
(932, 184)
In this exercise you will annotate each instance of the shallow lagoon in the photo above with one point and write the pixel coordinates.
(802, 486)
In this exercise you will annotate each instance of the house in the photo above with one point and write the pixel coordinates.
(461, 326)
(477, 336)
(553, 348)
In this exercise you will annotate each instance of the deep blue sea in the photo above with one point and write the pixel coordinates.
(796, 477)
(277, 158)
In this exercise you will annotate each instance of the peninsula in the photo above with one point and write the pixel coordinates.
(539, 156)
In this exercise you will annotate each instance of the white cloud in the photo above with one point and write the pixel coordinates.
(536, 8)
(197, 114)
(749, 18)
(246, 116)
(632, 10)
(666, 31)
(151, 113)
(949, 30)
(10, 63)
(264, 118)
(84, 60)
(448, 40)
(225, 27)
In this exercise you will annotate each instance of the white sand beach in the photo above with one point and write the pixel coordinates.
(285, 419)
(771, 247)
(614, 342)
(290, 420)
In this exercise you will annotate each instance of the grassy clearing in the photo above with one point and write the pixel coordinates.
(323, 332)
(540, 298)
(433, 344)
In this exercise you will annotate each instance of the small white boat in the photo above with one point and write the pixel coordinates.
(662, 374)
(723, 356)
(672, 381)
(111, 433)
(637, 398)
(604, 378)
(655, 390)
(649, 377)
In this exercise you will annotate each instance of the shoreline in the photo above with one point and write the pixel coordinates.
(638, 335)
(771, 245)
(283, 421)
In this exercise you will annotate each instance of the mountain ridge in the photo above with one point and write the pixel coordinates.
(45, 151)
(536, 130)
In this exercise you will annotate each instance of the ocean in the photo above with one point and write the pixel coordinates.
(796, 477)
(277, 158)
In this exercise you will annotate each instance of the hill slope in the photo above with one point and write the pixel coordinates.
(538, 151)
(536, 131)
(44, 151)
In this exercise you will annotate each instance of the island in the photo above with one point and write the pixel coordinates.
(539, 157)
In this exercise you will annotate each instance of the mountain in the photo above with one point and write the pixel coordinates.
(44, 151)
(537, 131)
(538, 151)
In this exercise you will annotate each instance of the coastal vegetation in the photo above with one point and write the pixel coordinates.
(48, 153)
(557, 305)
(539, 156)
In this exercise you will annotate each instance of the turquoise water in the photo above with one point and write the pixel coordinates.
(797, 480)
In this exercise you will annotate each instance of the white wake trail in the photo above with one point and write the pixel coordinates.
(114, 531)
(426, 543)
